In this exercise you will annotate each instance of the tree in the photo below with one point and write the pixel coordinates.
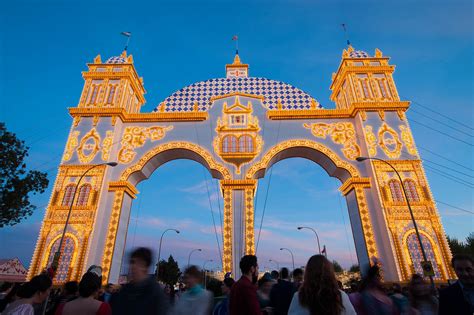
(458, 247)
(16, 183)
(168, 271)
(354, 268)
(337, 266)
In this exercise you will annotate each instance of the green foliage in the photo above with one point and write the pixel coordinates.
(466, 247)
(168, 271)
(337, 266)
(15, 181)
(354, 268)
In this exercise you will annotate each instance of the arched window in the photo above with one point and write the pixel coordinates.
(112, 89)
(410, 188)
(68, 192)
(246, 144)
(229, 144)
(65, 259)
(84, 193)
(395, 190)
(95, 91)
(417, 256)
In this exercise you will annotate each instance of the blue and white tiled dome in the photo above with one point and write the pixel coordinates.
(358, 54)
(116, 59)
(273, 91)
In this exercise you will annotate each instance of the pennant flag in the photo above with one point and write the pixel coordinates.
(235, 37)
(128, 34)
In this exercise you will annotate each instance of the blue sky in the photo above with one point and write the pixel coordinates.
(46, 44)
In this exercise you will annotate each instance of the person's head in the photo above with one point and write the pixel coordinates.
(89, 285)
(192, 276)
(397, 288)
(275, 275)
(70, 288)
(319, 291)
(266, 283)
(298, 275)
(249, 267)
(37, 289)
(372, 279)
(463, 266)
(227, 285)
(419, 287)
(6, 287)
(109, 288)
(284, 273)
(140, 261)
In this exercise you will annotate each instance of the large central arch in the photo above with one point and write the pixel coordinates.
(237, 127)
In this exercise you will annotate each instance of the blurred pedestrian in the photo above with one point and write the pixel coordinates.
(195, 300)
(107, 294)
(458, 298)
(265, 284)
(86, 303)
(282, 293)
(298, 277)
(422, 299)
(142, 295)
(10, 297)
(222, 307)
(68, 293)
(243, 295)
(319, 293)
(401, 301)
(35, 291)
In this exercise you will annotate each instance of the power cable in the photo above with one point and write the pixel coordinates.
(445, 158)
(442, 123)
(455, 207)
(344, 223)
(441, 132)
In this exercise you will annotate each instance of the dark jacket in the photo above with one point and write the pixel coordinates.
(452, 301)
(281, 296)
(243, 298)
(145, 298)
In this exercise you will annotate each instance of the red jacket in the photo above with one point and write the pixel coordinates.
(243, 298)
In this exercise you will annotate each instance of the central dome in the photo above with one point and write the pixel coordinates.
(273, 91)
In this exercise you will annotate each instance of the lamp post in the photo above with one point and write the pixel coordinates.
(315, 233)
(159, 248)
(361, 159)
(275, 262)
(292, 257)
(205, 273)
(57, 255)
(189, 257)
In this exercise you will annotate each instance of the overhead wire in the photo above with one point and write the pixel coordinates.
(442, 123)
(441, 132)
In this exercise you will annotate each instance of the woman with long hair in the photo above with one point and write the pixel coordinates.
(35, 291)
(320, 294)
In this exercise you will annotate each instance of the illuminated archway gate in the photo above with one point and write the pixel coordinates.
(237, 127)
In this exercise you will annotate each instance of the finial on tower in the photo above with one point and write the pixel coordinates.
(237, 69)
(345, 34)
(235, 38)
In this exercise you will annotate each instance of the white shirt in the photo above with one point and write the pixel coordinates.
(297, 309)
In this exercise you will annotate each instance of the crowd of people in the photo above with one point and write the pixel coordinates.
(314, 290)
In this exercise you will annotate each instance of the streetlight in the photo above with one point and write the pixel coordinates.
(189, 257)
(57, 255)
(315, 233)
(205, 273)
(159, 248)
(292, 257)
(275, 262)
(363, 158)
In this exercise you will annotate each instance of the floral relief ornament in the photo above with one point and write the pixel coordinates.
(341, 133)
(135, 137)
(371, 141)
(89, 146)
(407, 139)
(107, 144)
(71, 145)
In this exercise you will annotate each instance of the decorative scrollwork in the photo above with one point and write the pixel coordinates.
(107, 144)
(371, 141)
(407, 139)
(341, 133)
(135, 137)
(71, 145)
(389, 141)
(89, 146)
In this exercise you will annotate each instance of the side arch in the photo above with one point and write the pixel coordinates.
(169, 151)
(311, 150)
(48, 252)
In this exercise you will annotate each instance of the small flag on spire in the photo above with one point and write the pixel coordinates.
(324, 251)
(236, 39)
(128, 35)
(345, 34)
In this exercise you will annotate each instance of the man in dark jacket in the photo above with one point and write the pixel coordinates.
(282, 293)
(243, 295)
(142, 295)
(458, 298)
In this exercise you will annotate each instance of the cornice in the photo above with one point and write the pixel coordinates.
(238, 184)
(353, 182)
(124, 186)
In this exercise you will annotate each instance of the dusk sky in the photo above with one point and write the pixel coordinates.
(44, 46)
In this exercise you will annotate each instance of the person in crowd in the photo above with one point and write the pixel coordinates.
(372, 300)
(107, 294)
(275, 275)
(401, 301)
(319, 293)
(421, 298)
(10, 297)
(35, 291)
(5, 288)
(298, 277)
(243, 295)
(222, 307)
(282, 293)
(86, 303)
(458, 298)
(68, 293)
(195, 299)
(265, 284)
(142, 295)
